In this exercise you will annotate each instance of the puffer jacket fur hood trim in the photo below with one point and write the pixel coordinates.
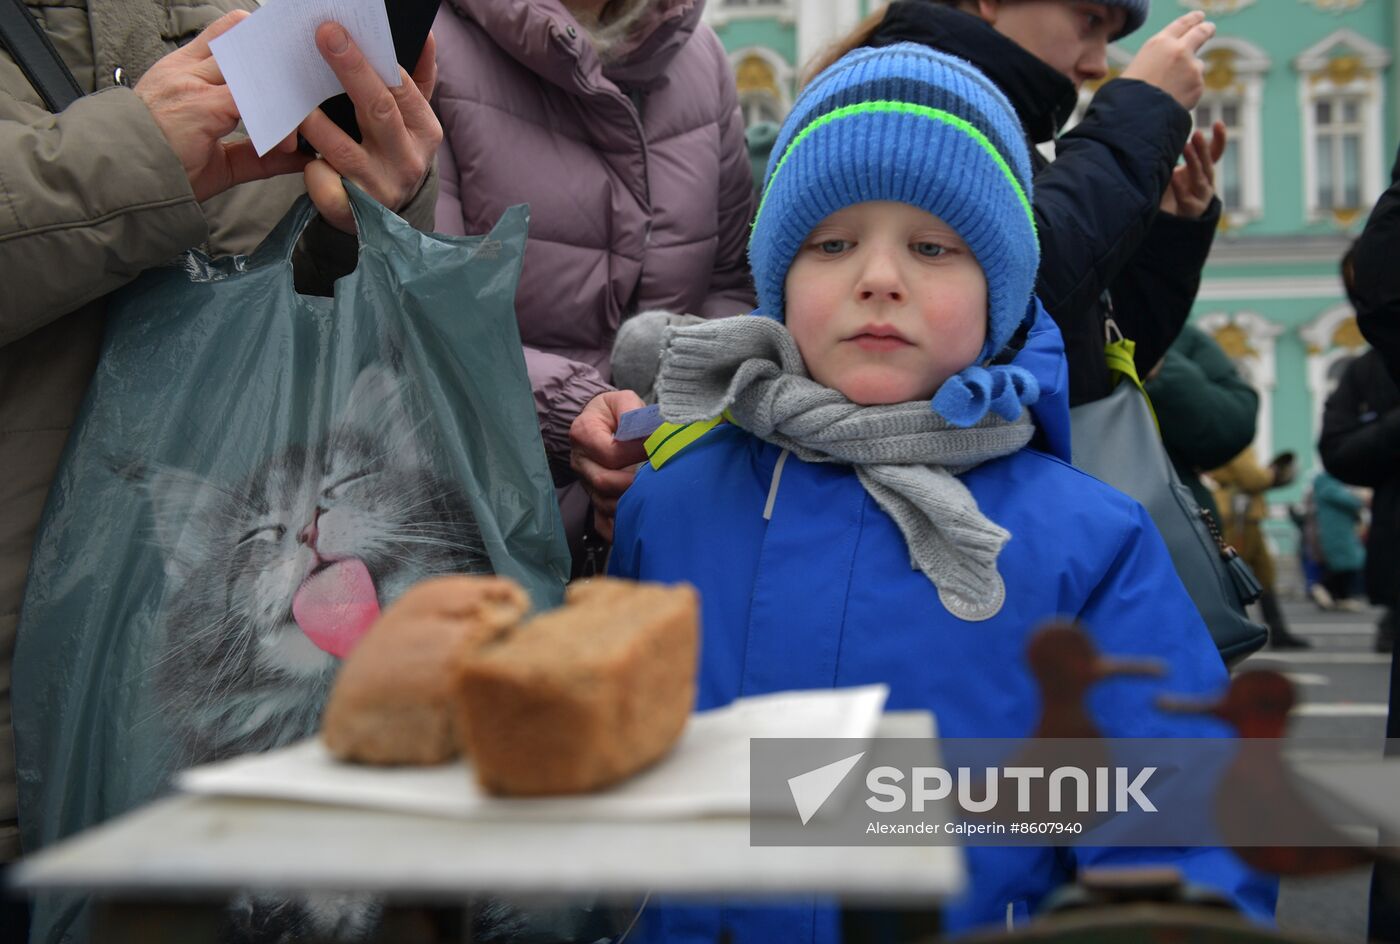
(536, 34)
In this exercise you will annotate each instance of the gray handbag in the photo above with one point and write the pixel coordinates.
(1116, 441)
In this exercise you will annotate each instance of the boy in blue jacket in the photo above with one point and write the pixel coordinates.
(870, 508)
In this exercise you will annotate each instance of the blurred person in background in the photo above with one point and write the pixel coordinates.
(1360, 445)
(1304, 518)
(1339, 514)
(1240, 488)
(1205, 410)
(1373, 283)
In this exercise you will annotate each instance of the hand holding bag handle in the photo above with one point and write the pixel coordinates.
(1116, 440)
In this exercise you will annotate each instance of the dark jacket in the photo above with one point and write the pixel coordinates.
(1377, 291)
(1377, 302)
(1360, 445)
(1205, 410)
(1103, 242)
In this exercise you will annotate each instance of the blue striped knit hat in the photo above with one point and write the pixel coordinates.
(907, 124)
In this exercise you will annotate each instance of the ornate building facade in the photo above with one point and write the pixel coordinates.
(1308, 91)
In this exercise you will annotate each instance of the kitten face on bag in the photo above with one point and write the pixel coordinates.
(272, 580)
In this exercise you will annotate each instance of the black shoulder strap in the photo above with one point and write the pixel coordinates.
(30, 47)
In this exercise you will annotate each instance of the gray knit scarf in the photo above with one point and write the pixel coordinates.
(905, 455)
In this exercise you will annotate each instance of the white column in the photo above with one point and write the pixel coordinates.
(819, 22)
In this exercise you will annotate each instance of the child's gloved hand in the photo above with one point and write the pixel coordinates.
(636, 355)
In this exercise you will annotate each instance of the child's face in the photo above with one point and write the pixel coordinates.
(1070, 36)
(885, 303)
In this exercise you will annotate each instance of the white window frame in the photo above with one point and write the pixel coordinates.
(783, 74)
(822, 22)
(1259, 367)
(817, 22)
(1250, 66)
(763, 102)
(1217, 7)
(719, 12)
(1335, 6)
(1346, 123)
(1315, 85)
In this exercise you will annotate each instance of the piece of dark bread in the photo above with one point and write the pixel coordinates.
(393, 700)
(583, 696)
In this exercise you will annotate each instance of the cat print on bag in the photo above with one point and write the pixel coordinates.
(271, 580)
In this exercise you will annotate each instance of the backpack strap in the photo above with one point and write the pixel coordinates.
(27, 42)
(670, 438)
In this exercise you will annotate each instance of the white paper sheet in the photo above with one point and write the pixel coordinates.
(706, 775)
(276, 73)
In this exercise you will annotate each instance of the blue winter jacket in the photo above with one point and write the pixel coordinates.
(822, 594)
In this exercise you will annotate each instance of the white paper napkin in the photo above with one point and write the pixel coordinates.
(276, 73)
(707, 774)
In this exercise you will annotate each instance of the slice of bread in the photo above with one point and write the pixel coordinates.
(392, 701)
(583, 696)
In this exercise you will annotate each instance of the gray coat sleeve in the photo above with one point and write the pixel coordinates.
(62, 246)
(96, 191)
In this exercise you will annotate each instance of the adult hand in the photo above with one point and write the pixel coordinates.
(1168, 60)
(194, 109)
(401, 133)
(605, 465)
(1193, 183)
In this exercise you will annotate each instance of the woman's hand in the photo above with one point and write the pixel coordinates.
(401, 133)
(605, 465)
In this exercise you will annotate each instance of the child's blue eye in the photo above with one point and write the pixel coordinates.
(930, 250)
(832, 246)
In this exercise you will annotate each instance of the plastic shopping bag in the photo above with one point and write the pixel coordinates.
(253, 476)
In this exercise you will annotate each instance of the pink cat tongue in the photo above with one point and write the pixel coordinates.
(335, 606)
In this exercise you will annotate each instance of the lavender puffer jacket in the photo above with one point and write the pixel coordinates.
(636, 175)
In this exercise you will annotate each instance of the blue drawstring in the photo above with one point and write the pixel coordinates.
(1005, 389)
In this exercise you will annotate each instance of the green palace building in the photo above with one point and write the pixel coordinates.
(1308, 92)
